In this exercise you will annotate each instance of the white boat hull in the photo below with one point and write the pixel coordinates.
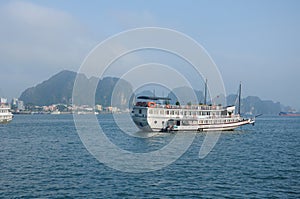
(148, 122)
(216, 127)
(144, 125)
(5, 115)
(151, 114)
(5, 121)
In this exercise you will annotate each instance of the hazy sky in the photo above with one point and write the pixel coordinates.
(256, 42)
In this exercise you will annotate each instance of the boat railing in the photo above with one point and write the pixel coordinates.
(211, 116)
(4, 106)
(191, 107)
(195, 117)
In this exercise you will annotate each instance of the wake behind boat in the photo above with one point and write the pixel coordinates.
(152, 114)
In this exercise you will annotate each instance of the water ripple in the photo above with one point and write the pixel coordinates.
(43, 157)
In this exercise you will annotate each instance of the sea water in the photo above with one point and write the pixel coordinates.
(42, 156)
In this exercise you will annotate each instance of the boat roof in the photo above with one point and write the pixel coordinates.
(153, 98)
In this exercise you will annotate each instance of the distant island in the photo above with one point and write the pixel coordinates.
(57, 90)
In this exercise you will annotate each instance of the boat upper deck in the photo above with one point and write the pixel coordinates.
(169, 106)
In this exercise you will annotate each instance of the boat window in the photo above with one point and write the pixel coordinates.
(167, 112)
(172, 112)
(140, 111)
(161, 112)
(150, 111)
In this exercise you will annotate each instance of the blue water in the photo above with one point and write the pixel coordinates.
(41, 156)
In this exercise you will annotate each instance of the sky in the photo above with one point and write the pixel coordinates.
(253, 41)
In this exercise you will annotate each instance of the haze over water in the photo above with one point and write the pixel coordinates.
(256, 42)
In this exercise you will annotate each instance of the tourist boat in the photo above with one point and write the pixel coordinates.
(153, 114)
(5, 114)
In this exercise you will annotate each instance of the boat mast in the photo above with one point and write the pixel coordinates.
(239, 102)
(205, 92)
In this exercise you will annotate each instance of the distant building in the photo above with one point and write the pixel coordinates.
(21, 106)
(14, 103)
(111, 109)
(98, 108)
(3, 100)
(17, 104)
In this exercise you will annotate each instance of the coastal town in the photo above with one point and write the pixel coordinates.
(18, 107)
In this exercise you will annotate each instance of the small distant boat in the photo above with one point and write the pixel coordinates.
(56, 112)
(5, 115)
(294, 114)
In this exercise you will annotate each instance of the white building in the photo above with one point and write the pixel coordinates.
(17, 104)
(3, 100)
(20, 105)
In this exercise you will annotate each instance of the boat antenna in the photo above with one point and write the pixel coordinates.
(239, 102)
(205, 91)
